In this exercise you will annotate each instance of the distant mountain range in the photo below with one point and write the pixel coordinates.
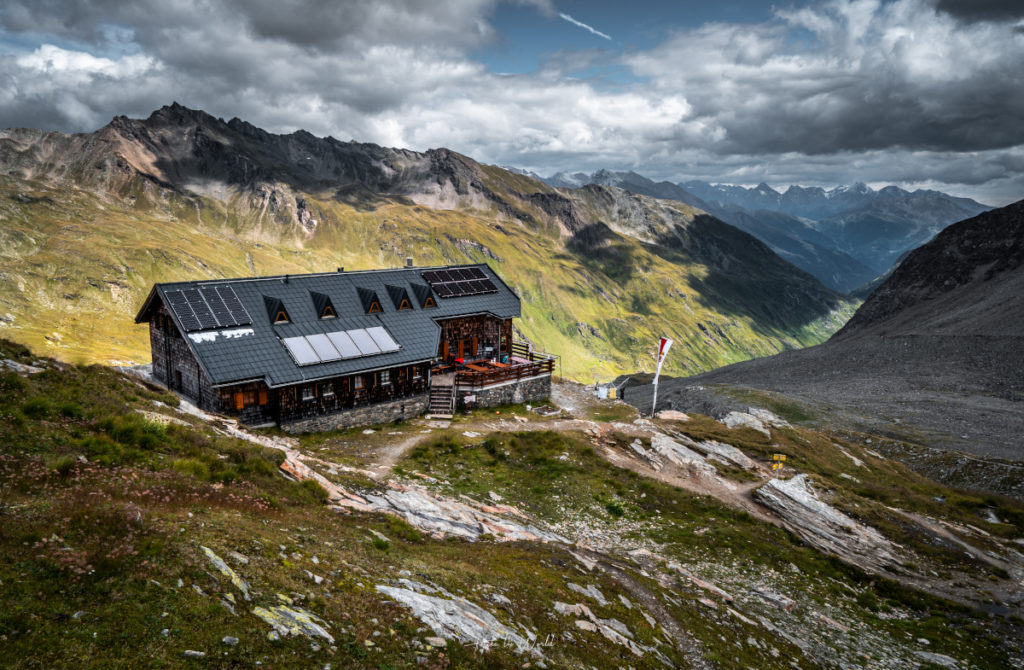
(88, 222)
(846, 237)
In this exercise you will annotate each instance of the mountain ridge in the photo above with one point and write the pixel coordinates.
(846, 237)
(182, 195)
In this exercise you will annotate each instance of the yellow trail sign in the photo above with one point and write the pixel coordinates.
(778, 457)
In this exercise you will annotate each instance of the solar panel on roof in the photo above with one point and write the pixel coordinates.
(323, 347)
(189, 322)
(459, 282)
(204, 314)
(176, 298)
(234, 305)
(344, 344)
(383, 339)
(363, 340)
(217, 306)
(301, 351)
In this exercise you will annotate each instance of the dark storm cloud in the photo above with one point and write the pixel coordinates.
(983, 10)
(844, 91)
(876, 76)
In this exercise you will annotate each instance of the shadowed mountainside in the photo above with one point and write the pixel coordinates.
(933, 356)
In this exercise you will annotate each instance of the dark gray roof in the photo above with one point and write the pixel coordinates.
(255, 351)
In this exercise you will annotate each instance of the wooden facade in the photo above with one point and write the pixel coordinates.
(472, 337)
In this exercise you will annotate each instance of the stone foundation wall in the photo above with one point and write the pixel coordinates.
(367, 415)
(530, 390)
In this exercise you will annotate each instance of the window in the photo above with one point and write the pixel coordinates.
(405, 304)
(429, 302)
(327, 389)
(281, 316)
(249, 398)
(328, 312)
(374, 307)
(308, 393)
(357, 382)
(385, 377)
(416, 372)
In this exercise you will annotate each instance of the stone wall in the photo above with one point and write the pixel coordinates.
(367, 415)
(534, 389)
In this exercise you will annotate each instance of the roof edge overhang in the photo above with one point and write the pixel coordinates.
(142, 316)
(308, 380)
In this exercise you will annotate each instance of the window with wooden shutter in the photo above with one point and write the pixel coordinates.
(263, 396)
(239, 400)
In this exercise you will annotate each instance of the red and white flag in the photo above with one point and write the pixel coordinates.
(663, 348)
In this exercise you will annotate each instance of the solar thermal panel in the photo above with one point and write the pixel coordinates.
(301, 351)
(383, 339)
(344, 344)
(363, 340)
(323, 347)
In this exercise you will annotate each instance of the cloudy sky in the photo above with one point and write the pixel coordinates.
(922, 93)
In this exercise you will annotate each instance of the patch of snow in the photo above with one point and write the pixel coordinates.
(237, 333)
(199, 338)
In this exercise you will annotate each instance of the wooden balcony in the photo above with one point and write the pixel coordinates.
(522, 364)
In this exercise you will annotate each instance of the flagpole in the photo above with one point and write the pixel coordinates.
(654, 402)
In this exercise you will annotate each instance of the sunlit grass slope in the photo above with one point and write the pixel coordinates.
(75, 267)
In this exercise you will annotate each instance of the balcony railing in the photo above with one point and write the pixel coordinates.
(522, 364)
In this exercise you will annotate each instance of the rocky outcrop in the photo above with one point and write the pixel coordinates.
(826, 528)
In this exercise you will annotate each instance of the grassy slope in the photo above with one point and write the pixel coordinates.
(110, 538)
(70, 256)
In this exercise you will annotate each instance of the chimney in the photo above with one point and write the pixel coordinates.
(408, 262)
(341, 269)
(286, 279)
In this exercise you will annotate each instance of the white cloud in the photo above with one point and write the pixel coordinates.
(895, 87)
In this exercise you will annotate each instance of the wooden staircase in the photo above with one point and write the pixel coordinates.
(442, 397)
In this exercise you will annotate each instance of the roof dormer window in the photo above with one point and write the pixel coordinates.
(275, 310)
(370, 301)
(424, 296)
(399, 297)
(323, 305)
